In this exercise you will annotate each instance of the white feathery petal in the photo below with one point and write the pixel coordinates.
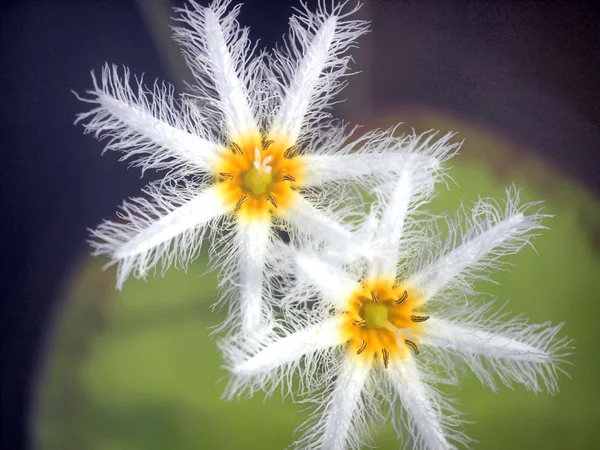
(413, 188)
(317, 223)
(254, 238)
(377, 154)
(510, 349)
(149, 126)
(417, 406)
(292, 111)
(321, 169)
(218, 51)
(391, 226)
(290, 349)
(491, 232)
(341, 424)
(469, 339)
(311, 63)
(168, 227)
(274, 358)
(334, 285)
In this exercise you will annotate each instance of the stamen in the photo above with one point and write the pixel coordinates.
(288, 178)
(226, 175)
(362, 348)
(240, 202)
(402, 299)
(374, 297)
(386, 357)
(257, 160)
(419, 318)
(236, 148)
(289, 152)
(413, 345)
(266, 144)
(271, 199)
(260, 164)
(265, 165)
(360, 323)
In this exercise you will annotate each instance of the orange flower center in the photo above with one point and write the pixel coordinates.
(258, 177)
(382, 321)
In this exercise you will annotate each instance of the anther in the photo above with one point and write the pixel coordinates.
(271, 199)
(240, 202)
(374, 297)
(288, 178)
(362, 348)
(360, 323)
(402, 299)
(226, 175)
(236, 148)
(419, 318)
(289, 152)
(386, 357)
(266, 144)
(413, 345)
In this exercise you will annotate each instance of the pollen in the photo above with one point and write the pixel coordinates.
(259, 177)
(383, 321)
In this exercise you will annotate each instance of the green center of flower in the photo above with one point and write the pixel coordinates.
(375, 315)
(257, 181)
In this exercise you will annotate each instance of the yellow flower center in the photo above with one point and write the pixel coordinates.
(257, 181)
(258, 177)
(374, 314)
(382, 321)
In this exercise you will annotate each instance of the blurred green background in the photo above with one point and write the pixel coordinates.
(137, 369)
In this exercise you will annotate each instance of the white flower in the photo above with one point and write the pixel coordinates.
(249, 148)
(387, 330)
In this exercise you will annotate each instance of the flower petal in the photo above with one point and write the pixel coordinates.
(317, 223)
(168, 227)
(218, 51)
(512, 350)
(269, 364)
(491, 233)
(378, 154)
(413, 188)
(290, 348)
(420, 405)
(334, 285)
(146, 124)
(312, 60)
(342, 424)
(253, 243)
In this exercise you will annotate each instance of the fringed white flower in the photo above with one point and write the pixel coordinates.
(390, 328)
(254, 137)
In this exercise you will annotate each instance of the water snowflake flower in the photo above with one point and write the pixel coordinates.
(251, 147)
(388, 329)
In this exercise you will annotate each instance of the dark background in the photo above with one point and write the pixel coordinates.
(526, 69)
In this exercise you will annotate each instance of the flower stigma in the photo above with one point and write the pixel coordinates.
(375, 315)
(258, 177)
(382, 321)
